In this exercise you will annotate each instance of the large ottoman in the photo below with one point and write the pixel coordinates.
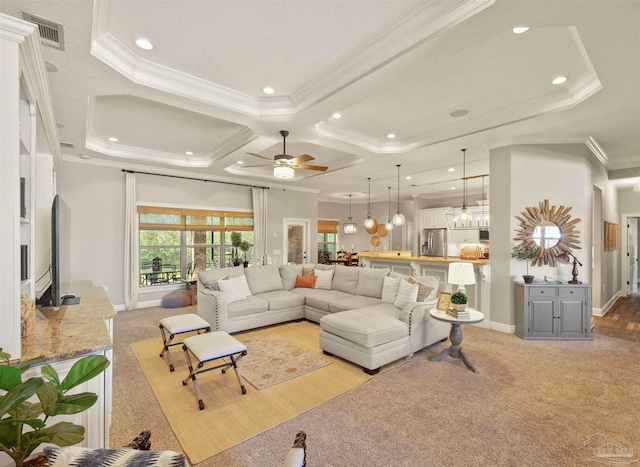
(370, 337)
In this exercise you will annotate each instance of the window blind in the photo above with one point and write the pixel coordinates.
(175, 218)
(326, 226)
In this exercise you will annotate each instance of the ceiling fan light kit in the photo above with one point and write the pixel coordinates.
(369, 221)
(283, 171)
(398, 218)
(350, 227)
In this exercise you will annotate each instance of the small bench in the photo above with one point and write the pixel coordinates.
(179, 324)
(208, 347)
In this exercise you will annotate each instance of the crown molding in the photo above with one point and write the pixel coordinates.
(34, 74)
(597, 151)
(119, 165)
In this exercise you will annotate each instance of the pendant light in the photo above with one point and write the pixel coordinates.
(350, 227)
(398, 219)
(369, 221)
(464, 214)
(389, 224)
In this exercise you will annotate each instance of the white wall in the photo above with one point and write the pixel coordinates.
(95, 196)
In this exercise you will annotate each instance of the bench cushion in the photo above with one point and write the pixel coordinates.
(213, 345)
(368, 327)
(281, 299)
(183, 323)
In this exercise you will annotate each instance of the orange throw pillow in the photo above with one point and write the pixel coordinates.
(307, 282)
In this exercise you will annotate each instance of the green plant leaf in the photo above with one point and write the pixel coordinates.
(60, 434)
(27, 410)
(52, 375)
(10, 377)
(83, 370)
(8, 434)
(48, 396)
(26, 364)
(4, 356)
(75, 403)
(34, 423)
(17, 395)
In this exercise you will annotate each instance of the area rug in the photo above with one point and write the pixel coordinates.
(230, 417)
(271, 360)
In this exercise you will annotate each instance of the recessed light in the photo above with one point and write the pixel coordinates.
(189, 153)
(459, 113)
(336, 115)
(559, 80)
(451, 169)
(240, 162)
(268, 90)
(113, 139)
(520, 29)
(144, 44)
(453, 187)
(408, 177)
(391, 136)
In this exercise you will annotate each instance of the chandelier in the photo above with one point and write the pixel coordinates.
(469, 217)
(350, 227)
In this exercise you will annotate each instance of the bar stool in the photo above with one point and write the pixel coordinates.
(179, 324)
(208, 347)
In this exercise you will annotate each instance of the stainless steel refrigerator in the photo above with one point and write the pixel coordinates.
(433, 242)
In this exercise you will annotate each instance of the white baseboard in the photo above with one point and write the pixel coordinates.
(147, 304)
(506, 328)
(603, 311)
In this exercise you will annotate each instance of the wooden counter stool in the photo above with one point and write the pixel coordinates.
(179, 324)
(208, 347)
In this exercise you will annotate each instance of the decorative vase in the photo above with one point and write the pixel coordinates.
(459, 306)
(527, 279)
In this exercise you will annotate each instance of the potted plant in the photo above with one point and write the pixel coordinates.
(459, 300)
(236, 240)
(526, 254)
(244, 247)
(16, 413)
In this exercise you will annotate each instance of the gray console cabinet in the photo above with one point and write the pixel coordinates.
(550, 311)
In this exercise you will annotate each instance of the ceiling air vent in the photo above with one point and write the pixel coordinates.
(67, 145)
(51, 33)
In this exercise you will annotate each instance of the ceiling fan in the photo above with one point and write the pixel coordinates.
(284, 164)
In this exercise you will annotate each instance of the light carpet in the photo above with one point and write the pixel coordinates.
(230, 417)
(272, 359)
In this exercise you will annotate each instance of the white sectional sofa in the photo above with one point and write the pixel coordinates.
(357, 322)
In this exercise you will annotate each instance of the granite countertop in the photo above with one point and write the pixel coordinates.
(74, 330)
(422, 259)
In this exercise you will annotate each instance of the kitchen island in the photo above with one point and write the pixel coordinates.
(403, 262)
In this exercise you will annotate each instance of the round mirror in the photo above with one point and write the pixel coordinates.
(547, 234)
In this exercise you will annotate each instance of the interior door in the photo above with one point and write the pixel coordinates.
(632, 254)
(296, 241)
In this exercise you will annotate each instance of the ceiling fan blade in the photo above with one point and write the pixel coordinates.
(301, 159)
(261, 157)
(320, 168)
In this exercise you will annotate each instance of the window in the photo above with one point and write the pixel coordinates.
(180, 242)
(327, 239)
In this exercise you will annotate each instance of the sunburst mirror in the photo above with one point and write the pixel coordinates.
(549, 231)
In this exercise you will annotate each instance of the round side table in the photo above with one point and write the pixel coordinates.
(455, 336)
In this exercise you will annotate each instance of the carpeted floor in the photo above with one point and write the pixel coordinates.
(532, 403)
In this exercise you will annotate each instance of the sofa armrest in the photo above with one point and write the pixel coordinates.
(415, 313)
(423, 330)
(212, 307)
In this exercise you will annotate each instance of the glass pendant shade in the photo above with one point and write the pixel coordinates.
(369, 221)
(350, 227)
(398, 219)
(283, 171)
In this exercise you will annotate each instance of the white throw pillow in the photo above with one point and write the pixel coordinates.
(407, 293)
(235, 288)
(390, 289)
(324, 279)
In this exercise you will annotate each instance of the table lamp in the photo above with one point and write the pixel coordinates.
(461, 274)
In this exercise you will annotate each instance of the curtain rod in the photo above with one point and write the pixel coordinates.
(193, 178)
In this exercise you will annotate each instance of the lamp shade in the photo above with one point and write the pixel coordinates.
(461, 274)
(283, 171)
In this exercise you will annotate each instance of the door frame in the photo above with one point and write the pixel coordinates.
(306, 224)
(624, 263)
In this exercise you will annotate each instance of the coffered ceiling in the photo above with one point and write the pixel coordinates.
(440, 75)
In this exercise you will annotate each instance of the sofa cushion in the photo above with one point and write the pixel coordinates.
(345, 280)
(352, 302)
(234, 288)
(306, 292)
(248, 306)
(263, 278)
(370, 282)
(407, 293)
(390, 289)
(306, 282)
(281, 299)
(368, 327)
(323, 279)
(325, 267)
(288, 274)
(323, 299)
(210, 277)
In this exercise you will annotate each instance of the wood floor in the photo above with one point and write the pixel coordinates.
(622, 320)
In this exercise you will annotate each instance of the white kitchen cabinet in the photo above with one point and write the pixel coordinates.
(435, 218)
(464, 236)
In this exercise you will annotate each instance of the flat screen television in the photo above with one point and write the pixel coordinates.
(58, 292)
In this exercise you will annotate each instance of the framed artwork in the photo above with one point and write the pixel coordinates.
(611, 235)
(444, 301)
